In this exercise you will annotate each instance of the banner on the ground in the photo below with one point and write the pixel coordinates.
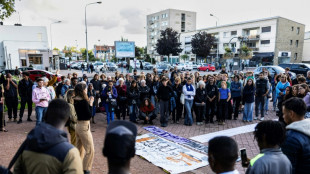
(177, 139)
(172, 157)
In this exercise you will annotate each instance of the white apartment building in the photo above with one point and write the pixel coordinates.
(179, 20)
(306, 51)
(272, 40)
(23, 46)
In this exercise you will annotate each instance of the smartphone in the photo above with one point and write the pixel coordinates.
(244, 158)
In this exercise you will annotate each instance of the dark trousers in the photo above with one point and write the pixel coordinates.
(199, 113)
(121, 110)
(177, 111)
(23, 102)
(11, 103)
(210, 114)
(164, 111)
(223, 109)
(259, 100)
(236, 101)
(280, 102)
(2, 123)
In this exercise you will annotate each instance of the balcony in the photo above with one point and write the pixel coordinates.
(151, 22)
(253, 37)
(254, 48)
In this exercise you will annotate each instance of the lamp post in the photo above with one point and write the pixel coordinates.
(99, 2)
(51, 33)
(217, 50)
(51, 65)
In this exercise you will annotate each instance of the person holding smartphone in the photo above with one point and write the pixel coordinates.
(40, 96)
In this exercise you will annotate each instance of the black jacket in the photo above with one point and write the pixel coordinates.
(201, 95)
(24, 90)
(164, 93)
(211, 90)
(154, 88)
(248, 94)
(12, 92)
(96, 84)
(144, 92)
(133, 94)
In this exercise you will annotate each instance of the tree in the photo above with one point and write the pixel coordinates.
(184, 57)
(201, 44)
(139, 51)
(168, 43)
(68, 52)
(91, 56)
(6, 8)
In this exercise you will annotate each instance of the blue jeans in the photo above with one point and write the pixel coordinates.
(155, 103)
(274, 98)
(82, 70)
(188, 120)
(40, 112)
(132, 113)
(93, 111)
(248, 112)
(110, 115)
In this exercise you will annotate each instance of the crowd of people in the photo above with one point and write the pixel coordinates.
(75, 100)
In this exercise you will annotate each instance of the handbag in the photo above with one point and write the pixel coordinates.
(113, 102)
(182, 99)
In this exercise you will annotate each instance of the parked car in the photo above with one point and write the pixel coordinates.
(188, 66)
(181, 66)
(298, 68)
(194, 65)
(6, 71)
(41, 73)
(22, 69)
(99, 64)
(206, 67)
(148, 66)
(110, 66)
(161, 68)
(272, 71)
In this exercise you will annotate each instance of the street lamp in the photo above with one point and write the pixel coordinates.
(217, 50)
(51, 33)
(99, 2)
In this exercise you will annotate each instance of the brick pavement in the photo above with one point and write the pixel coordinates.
(10, 141)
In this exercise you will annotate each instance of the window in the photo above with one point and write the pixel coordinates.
(24, 62)
(265, 42)
(292, 28)
(35, 59)
(225, 34)
(225, 45)
(298, 30)
(291, 42)
(297, 41)
(183, 17)
(266, 29)
(295, 56)
(233, 33)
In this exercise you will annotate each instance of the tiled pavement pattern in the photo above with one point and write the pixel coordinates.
(10, 141)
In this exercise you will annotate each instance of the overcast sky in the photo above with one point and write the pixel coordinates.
(114, 19)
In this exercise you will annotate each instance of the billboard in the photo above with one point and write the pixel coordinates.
(124, 49)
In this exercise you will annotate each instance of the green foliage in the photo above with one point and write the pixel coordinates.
(168, 43)
(139, 51)
(6, 8)
(227, 50)
(91, 56)
(184, 57)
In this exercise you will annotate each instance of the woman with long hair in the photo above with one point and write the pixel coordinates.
(109, 95)
(153, 91)
(280, 91)
(288, 93)
(71, 123)
(147, 111)
(235, 89)
(91, 92)
(133, 95)
(85, 144)
(248, 100)
(223, 99)
(295, 91)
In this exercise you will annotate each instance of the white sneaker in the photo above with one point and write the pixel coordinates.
(255, 118)
(262, 119)
(266, 112)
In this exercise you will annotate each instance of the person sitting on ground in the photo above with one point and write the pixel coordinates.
(119, 146)
(47, 149)
(297, 143)
(269, 136)
(147, 111)
(222, 155)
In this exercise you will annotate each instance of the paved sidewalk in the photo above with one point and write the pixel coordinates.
(11, 140)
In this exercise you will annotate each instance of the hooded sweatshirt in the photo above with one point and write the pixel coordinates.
(297, 146)
(48, 151)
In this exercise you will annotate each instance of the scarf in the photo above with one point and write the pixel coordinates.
(189, 87)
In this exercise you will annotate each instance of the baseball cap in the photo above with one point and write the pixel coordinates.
(120, 140)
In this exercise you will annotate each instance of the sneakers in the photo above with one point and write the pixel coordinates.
(29, 119)
(15, 119)
(266, 112)
(262, 119)
(255, 118)
(10, 119)
(19, 121)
